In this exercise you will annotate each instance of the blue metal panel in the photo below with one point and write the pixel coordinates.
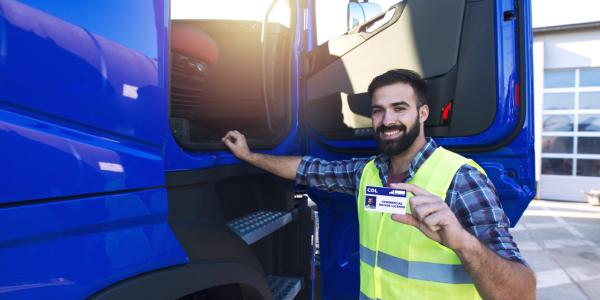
(42, 160)
(82, 101)
(512, 168)
(338, 244)
(89, 64)
(179, 159)
(83, 111)
(72, 249)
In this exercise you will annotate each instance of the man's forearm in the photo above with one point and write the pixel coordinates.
(284, 166)
(494, 276)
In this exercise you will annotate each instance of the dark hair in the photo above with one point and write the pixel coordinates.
(409, 77)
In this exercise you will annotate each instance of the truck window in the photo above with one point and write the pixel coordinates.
(228, 71)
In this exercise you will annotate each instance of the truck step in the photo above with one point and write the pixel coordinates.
(285, 288)
(255, 226)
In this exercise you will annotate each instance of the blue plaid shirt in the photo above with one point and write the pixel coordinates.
(471, 195)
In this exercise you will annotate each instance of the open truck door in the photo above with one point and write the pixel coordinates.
(476, 59)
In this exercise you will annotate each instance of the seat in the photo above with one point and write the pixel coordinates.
(193, 43)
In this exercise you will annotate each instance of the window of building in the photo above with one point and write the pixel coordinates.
(571, 122)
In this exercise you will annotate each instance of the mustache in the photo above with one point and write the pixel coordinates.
(383, 128)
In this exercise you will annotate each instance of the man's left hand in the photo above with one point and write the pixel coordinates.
(432, 216)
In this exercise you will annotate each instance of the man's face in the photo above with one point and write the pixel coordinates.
(396, 119)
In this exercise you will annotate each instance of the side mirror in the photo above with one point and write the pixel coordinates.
(359, 13)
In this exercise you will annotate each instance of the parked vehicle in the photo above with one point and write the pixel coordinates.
(115, 183)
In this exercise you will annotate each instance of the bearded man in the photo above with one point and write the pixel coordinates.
(454, 241)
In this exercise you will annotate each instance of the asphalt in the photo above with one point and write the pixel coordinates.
(560, 242)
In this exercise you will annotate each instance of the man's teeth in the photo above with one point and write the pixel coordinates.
(390, 133)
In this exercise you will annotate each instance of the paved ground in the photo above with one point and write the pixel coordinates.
(561, 240)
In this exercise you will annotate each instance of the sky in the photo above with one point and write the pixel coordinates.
(560, 12)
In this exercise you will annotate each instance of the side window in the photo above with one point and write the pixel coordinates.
(336, 17)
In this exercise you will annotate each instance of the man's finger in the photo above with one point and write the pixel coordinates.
(420, 200)
(230, 139)
(406, 219)
(228, 142)
(416, 190)
(234, 136)
(228, 135)
(423, 210)
(433, 228)
(435, 221)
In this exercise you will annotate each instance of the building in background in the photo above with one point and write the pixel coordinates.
(566, 54)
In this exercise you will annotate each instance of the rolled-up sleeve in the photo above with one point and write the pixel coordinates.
(332, 176)
(473, 199)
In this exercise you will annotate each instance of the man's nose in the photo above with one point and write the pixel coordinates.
(388, 119)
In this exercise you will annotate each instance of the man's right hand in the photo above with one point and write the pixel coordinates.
(284, 166)
(236, 142)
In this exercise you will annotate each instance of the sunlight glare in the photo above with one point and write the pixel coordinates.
(231, 10)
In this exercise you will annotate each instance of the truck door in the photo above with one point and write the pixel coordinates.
(475, 57)
(83, 115)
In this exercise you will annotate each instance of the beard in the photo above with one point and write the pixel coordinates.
(402, 143)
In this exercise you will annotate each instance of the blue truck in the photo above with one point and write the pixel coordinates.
(114, 181)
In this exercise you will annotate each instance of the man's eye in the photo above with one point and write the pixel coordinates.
(397, 109)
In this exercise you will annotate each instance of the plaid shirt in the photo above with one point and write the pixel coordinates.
(471, 195)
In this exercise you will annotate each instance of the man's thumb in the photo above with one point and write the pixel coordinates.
(405, 219)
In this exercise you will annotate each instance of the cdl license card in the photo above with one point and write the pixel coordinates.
(383, 199)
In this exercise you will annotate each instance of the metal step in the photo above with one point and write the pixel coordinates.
(255, 226)
(284, 288)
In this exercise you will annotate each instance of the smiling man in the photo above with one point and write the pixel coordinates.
(453, 244)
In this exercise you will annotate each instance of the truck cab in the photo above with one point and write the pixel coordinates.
(117, 184)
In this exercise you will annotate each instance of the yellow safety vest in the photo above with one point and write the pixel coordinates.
(397, 261)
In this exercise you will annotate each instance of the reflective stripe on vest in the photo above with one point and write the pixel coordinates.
(444, 273)
(397, 261)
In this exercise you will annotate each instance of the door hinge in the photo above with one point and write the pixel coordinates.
(509, 15)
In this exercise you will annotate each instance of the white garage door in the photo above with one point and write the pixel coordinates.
(571, 133)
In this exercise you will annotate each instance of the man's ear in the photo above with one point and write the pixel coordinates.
(424, 113)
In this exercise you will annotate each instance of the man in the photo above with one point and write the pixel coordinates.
(371, 202)
(453, 244)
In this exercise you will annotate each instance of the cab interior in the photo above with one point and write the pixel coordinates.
(233, 74)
